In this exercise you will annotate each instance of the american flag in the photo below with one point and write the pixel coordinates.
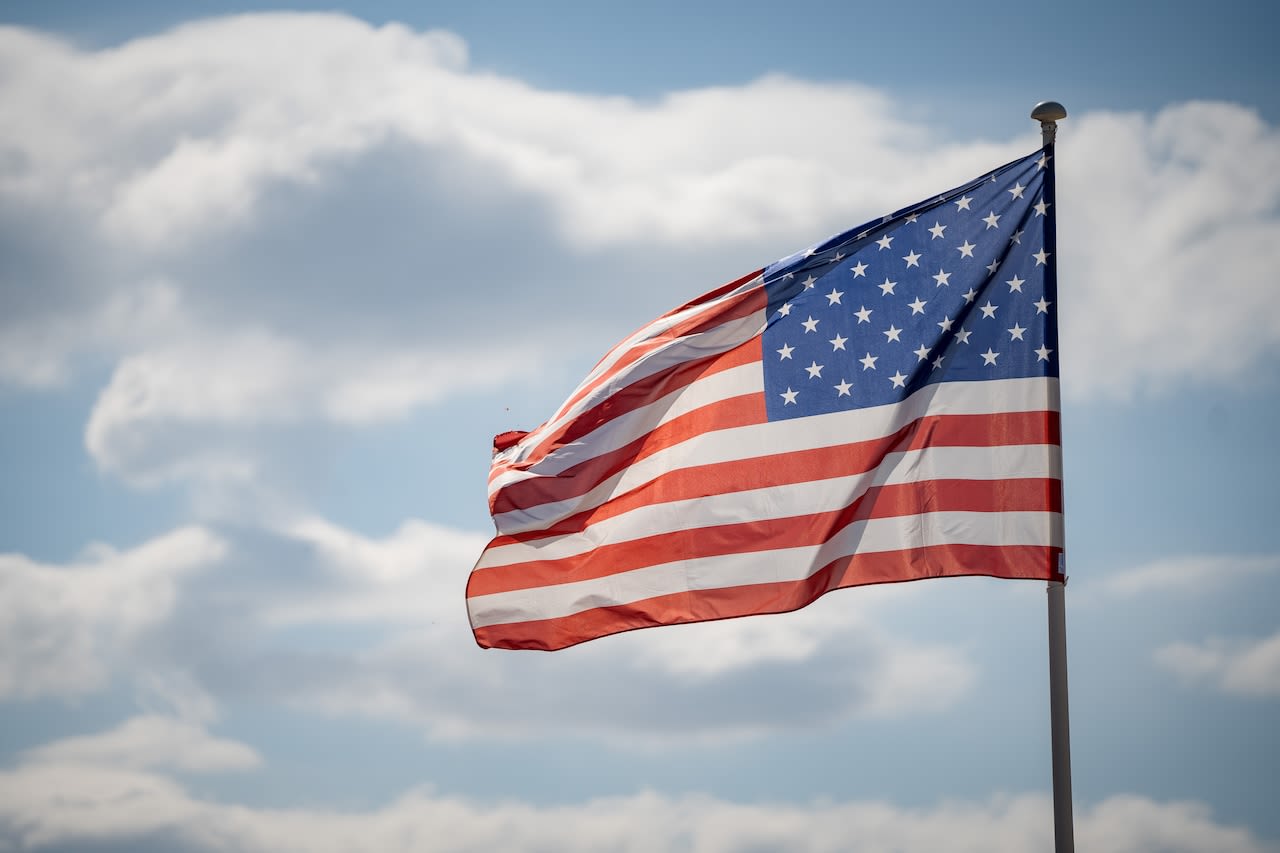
(880, 407)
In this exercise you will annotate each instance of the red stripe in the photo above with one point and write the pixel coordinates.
(745, 410)
(1024, 562)
(795, 466)
(1016, 495)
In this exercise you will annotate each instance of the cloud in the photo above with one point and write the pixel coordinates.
(149, 742)
(374, 226)
(1244, 667)
(43, 805)
(314, 616)
(1194, 573)
(64, 628)
(264, 191)
(1169, 224)
(186, 411)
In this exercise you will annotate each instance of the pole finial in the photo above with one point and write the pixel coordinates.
(1048, 113)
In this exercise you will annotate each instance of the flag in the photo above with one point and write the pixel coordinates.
(880, 407)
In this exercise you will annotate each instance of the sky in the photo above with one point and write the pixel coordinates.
(272, 277)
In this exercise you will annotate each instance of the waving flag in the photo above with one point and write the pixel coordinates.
(880, 407)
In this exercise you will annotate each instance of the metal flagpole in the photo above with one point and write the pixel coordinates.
(1048, 113)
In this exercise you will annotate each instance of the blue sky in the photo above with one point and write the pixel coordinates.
(272, 277)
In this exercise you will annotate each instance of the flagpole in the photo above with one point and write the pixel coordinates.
(1048, 113)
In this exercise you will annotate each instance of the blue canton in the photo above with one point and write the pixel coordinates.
(958, 288)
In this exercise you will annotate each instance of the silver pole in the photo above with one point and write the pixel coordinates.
(1063, 832)
(1048, 114)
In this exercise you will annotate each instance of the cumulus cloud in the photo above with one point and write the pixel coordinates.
(314, 616)
(168, 145)
(1192, 573)
(44, 805)
(64, 628)
(1245, 667)
(149, 742)
(1168, 229)
(164, 415)
(374, 226)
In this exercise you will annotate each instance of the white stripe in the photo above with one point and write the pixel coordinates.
(718, 339)
(724, 385)
(786, 564)
(756, 440)
(806, 498)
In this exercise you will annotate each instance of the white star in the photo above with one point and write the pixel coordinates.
(898, 380)
(785, 309)
(993, 266)
(864, 316)
(1042, 307)
(937, 362)
(937, 230)
(963, 336)
(892, 333)
(810, 325)
(963, 203)
(842, 388)
(788, 396)
(970, 295)
(1042, 354)
(811, 251)
(942, 277)
(869, 361)
(888, 286)
(1015, 334)
(1016, 238)
(885, 241)
(833, 298)
(859, 270)
(815, 370)
(989, 310)
(1041, 208)
(789, 276)
(917, 307)
(912, 218)
(862, 234)
(785, 352)
(809, 282)
(922, 353)
(945, 325)
(1016, 192)
(990, 357)
(1041, 257)
(1016, 283)
(912, 259)
(966, 249)
(1043, 161)
(837, 342)
(992, 219)
(838, 258)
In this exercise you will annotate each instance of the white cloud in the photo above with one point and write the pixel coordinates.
(63, 628)
(1194, 573)
(169, 142)
(216, 389)
(1168, 231)
(149, 742)
(44, 805)
(413, 576)
(313, 616)
(1245, 667)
